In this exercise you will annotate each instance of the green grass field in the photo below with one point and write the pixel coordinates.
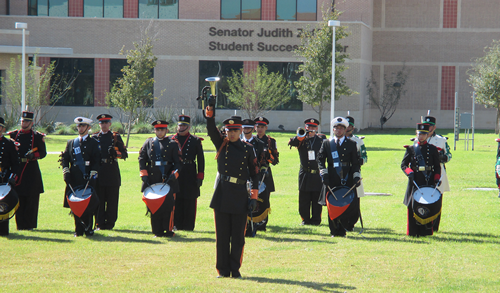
(462, 256)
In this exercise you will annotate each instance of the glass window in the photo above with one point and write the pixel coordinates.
(289, 72)
(32, 7)
(82, 90)
(148, 8)
(115, 70)
(306, 10)
(113, 8)
(230, 9)
(2, 76)
(250, 9)
(58, 8)
(286, 10)
(43, 8)
(221, 69)
(301, 10)
(169, 9)
(93, 8)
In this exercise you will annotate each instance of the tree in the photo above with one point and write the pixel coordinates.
(394, 90)
(44, 88)
(314, 87)
(258, 91)
(484, 78)
(135, 89)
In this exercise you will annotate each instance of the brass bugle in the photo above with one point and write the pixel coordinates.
(301, 132)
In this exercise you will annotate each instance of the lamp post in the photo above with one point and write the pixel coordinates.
(333, 24)
(23, 26)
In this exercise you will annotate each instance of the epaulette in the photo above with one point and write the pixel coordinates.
(116, 133)
(96, 133)
(197, 137)
(10, 132)
(406, 146)
(497, 139)
(41, 133)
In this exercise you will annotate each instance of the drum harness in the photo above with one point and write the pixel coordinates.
(338, 168)
(160, 163)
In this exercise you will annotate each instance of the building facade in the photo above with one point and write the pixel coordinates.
(435, 39)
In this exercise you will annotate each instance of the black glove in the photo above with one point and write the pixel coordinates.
(357, 181)
(171, 179)
(325, 179)
(145, 179)
(199, 182)
(164, 177)
(411, 176)
(361, 161)
(86, 177)
(263, 172)
(112, 151)
(211, 101)
(252, 205)
(12, 180)
(67, 178)
(30, 156)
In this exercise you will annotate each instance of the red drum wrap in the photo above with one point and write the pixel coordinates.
(83, 201)
(154, 196)
(337, 208)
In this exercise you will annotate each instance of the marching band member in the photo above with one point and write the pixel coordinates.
(421, 165)
(9, 170)
(160, 162)
(338, 163)
(444, 157)
(30, 184)
(308, 145)
(236, 164)
(109, 180)
(190, 177)
(80, 161)
(272, 157)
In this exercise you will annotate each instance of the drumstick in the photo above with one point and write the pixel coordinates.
(416, 185)
(351, 188)
(437, 184)
(332, 192)
(85, 188)
(71, 189)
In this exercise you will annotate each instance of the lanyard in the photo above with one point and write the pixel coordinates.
(336, 161)
(78, 154)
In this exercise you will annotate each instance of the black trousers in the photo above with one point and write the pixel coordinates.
(162, 219)
(230, 241)
(4, 228)
(84, 224)
(308, 203)
(107, 213)
(185, 213)
(27, 213)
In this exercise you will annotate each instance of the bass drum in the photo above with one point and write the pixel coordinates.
(341, 205)
(154, 196)
(9, 202)
(83, 201)
(427, 203)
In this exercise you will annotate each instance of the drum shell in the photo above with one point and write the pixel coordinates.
(83, 208)
(343, 207)
(9, 203)
(425, 213)
(161, 196)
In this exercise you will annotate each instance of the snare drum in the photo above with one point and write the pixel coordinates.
(83, 201)
(427, 203)
(341, 206)
(154, 196)
(9, 202)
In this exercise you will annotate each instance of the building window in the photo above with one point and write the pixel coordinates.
(221, 69)
(301, 10)
(240, 9)
(82, 90)
(48, 7)
(103, 8)
(289, 72)
(115, 72)
(162, 9)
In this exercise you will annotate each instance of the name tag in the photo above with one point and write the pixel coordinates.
(312, 155)
(335, 155)
(77, 150)
(335, 165)
(157, 163)
(87, 163)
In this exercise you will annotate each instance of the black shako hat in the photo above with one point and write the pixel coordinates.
(160, 124)
(423, 127)
(233, 122)
(183, 119)
(28, 116)
(261, 121)
(429, 120)
(311, 122)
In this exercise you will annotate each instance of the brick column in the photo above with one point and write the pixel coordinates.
(448, 88)
(130, 8)
(75, 8)
(450, 13)
(268, 9)
(249, 66)
(101, 81)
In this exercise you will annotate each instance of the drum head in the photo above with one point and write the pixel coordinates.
(4, 190)
(156, 191)
(339, 200)
(80, 194)
(427, 195)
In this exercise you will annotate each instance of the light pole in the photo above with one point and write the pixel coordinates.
(23, 26)
(333, 24)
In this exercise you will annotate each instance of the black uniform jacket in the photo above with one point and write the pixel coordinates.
(349, 160)
(30, 181)
(193, 161)
(237, 160)
(91, 155)
(109, 175)
(169, 152)
(431, 158)
(259, 146)
(309, 179)
(9, 159)
(271, 155)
